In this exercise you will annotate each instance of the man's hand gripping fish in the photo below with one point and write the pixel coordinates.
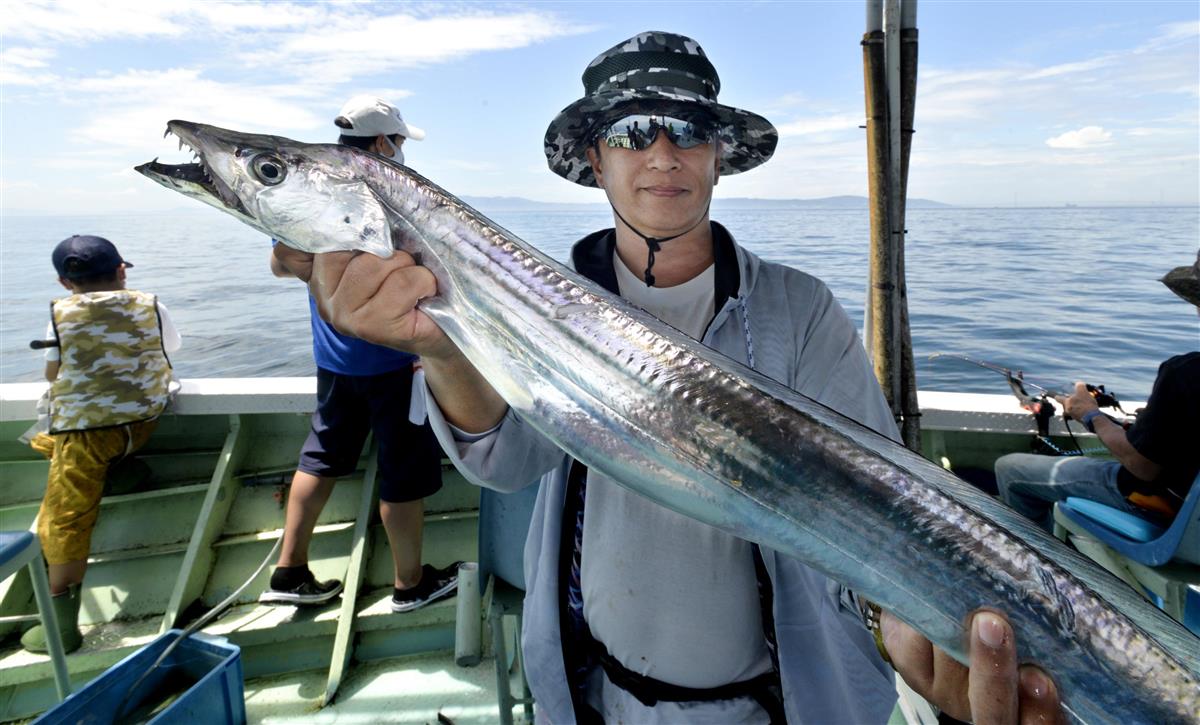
(702, 434)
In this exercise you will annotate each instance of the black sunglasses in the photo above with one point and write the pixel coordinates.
(638, 130)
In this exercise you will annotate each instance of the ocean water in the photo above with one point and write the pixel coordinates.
(1061, 293)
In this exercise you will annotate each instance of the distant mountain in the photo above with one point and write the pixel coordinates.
(828, 202)
(491, 204)
(516, 203)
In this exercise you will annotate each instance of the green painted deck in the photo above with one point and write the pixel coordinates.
(211, 511)
(413, 689)
(221, 462)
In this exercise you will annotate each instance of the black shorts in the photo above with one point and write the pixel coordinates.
(348, 406)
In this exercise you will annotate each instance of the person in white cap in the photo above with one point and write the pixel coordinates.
(360, 388)
(374, 124)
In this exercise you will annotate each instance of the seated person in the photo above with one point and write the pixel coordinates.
(1156, 459)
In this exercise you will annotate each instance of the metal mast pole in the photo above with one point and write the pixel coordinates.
(890, 86)
(909, 409)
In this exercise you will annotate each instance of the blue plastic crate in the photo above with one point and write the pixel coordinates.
(205, 671)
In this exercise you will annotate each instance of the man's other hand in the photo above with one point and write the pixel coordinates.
(288, 262)
(993, 690)
(376, 300)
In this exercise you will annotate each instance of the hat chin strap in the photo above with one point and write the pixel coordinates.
(653, 244)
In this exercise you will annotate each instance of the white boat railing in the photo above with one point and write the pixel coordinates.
(946, 411)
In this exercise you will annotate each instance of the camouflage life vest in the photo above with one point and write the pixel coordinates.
(112, 369)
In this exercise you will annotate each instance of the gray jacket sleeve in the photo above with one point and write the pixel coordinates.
(833, 368)
(507, 458)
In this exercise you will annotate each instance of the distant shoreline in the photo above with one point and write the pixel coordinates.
(515, 203)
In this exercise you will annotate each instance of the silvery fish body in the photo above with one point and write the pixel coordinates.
(698, 432)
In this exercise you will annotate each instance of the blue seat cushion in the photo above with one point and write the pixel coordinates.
(1131, 526)
(12, 544)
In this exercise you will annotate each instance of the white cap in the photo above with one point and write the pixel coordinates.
(371, 116)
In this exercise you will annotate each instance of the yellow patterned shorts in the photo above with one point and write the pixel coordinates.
(79, 463)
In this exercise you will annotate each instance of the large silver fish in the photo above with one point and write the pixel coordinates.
(632, 397)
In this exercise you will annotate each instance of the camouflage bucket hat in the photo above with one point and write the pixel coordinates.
(1185, 281)
(653, 72)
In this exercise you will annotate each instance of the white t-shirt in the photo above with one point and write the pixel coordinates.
(668, 596)
(170, 336)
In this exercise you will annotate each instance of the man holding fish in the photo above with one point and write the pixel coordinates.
(634, 612)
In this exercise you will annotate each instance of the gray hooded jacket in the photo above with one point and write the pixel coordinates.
(799, 335)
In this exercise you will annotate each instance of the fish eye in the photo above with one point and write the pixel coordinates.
(268, 168)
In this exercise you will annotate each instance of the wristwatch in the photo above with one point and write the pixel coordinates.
(1089, 419)
(872, 615)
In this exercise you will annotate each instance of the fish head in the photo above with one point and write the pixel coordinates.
(313, 197)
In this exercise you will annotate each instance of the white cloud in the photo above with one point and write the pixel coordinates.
(26, 57)
(309, 49)
(1172, 34)
(311, 40)
(347, 47)
(90, 21)
(227, 16)
(1070, 68)
(129, 110)
(1084, 138)
(945, 95)
(87, 21)
(821, 124)
(23, 66)
(1087, 86)
(16, 77)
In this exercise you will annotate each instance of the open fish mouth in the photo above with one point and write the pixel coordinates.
(194, 178)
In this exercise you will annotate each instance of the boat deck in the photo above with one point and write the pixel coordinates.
(414, 689)
(220, 463)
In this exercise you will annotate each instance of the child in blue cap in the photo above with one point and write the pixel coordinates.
(110, 379)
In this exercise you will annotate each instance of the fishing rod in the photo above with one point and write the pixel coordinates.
(42, 344)
(1040, 404)
(1103, 398)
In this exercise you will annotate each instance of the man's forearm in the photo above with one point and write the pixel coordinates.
(465, 398)
(1116, 441)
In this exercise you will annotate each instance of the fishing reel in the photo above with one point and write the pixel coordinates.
(1040, 405)
(1105, 399)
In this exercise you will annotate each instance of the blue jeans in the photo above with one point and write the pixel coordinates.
(1030, 484)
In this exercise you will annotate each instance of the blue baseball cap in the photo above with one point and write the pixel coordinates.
(82, 255)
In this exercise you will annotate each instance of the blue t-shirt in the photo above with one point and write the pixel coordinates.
(346, 355)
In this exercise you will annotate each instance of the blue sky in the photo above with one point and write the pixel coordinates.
(1024, 103)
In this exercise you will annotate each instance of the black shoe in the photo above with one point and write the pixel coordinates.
(297, 585)
(435, 584)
